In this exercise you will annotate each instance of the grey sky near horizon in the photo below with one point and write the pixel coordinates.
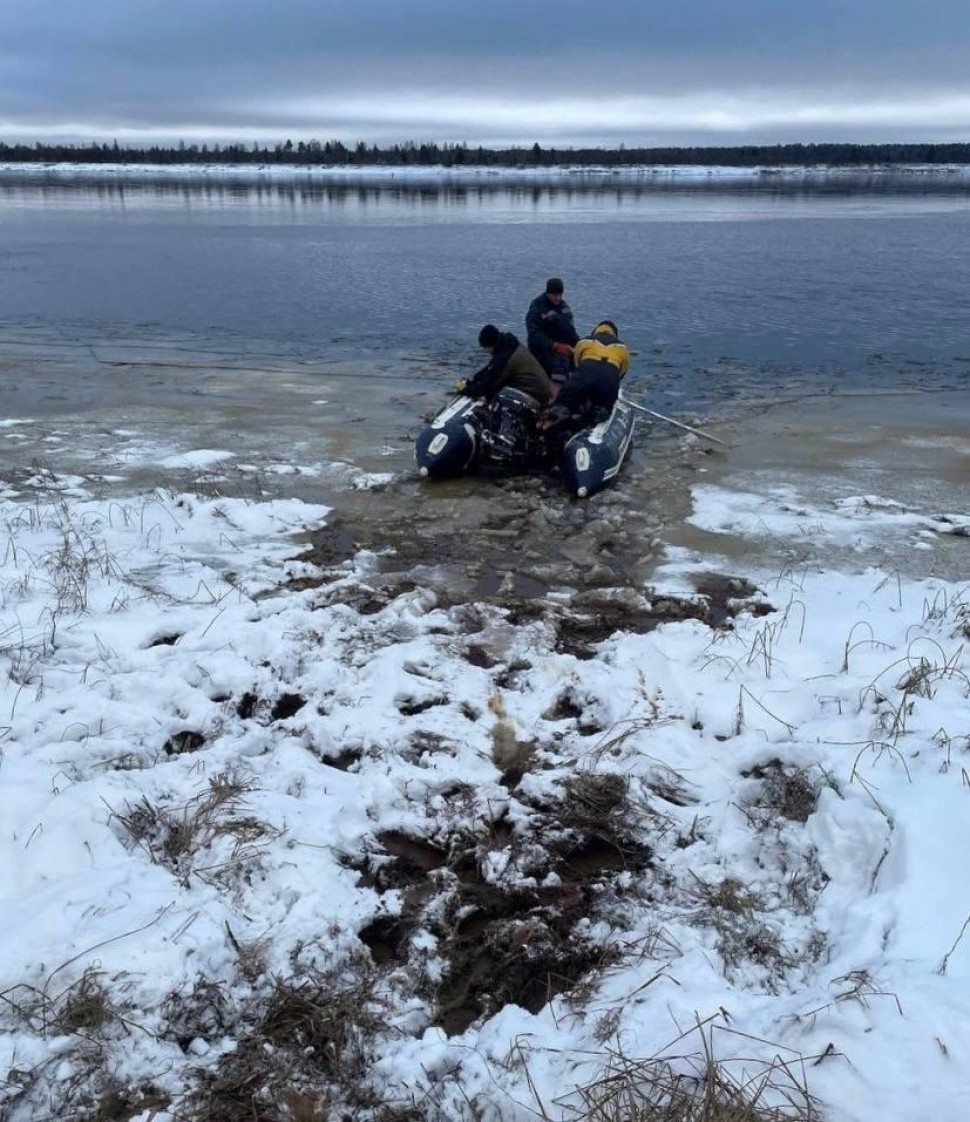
(638, 72)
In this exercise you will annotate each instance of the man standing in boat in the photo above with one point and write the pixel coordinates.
(551, 333)
(591, 392)
(510, 365)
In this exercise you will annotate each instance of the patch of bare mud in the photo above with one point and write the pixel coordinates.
(508, 908)
(522, 546)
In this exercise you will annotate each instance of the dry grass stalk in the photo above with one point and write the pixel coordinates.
(734, 913)
(596, 795)
(304, 1055)
(787, 792)
(612, 743)
(602, 806)
(697, 1087)
(177, 836)
(82, 1007)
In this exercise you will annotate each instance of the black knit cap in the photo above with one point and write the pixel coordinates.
(489, 335)
(555, 285)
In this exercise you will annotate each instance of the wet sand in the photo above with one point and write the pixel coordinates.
(118, 412)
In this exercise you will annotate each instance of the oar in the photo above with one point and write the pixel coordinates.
(671, 421)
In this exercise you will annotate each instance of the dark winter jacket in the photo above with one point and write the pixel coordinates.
(511, 365)
(548, 323)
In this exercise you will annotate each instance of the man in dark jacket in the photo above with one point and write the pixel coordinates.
(551, 334)
(510, 365)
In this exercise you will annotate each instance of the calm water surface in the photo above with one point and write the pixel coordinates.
(723, 289)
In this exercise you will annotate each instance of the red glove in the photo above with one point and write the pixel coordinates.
(562, 348)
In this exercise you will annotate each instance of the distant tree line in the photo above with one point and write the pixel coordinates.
(335, 152)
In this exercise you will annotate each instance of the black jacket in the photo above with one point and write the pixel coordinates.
(551, 322)
(511, 365)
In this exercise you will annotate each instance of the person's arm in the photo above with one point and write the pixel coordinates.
(488, 380)
(568, 328)
(552, 327)
(533, 318)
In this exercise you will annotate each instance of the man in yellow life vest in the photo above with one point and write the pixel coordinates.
(601, 360)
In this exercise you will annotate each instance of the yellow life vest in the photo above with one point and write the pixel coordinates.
(602, 345)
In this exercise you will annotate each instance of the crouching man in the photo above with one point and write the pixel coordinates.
(510, 365)
(591, 391)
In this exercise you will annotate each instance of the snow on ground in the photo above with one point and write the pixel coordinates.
(466, 172)
(855, 521)
(197, 458)
(264, 850)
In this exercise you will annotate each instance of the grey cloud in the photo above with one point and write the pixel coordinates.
(217, 29)
(318, 67)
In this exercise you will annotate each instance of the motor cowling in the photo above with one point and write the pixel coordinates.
(512, 424)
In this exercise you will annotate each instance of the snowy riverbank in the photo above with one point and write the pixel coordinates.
(277, 837)
(472, 173)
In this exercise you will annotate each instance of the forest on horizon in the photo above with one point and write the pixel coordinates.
(411, 153)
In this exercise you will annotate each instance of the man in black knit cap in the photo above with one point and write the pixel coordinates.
(510, 365)
(551, 334)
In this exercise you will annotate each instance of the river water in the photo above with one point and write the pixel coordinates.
(306, 326)
(724, 288)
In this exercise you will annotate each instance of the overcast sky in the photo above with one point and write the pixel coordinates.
(650, 72)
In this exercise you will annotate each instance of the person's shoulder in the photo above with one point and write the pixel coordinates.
(526, 360)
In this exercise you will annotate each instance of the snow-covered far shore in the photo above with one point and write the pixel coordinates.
(472, 172)
(278, 838)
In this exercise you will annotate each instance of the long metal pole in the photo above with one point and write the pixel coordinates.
(671, 421)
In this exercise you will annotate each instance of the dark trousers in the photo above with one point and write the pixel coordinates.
(556, 366)
(593, 388)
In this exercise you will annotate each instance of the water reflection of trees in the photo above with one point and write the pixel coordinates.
(440, 192)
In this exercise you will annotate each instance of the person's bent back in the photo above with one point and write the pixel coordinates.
(510, 365)
(602, 344)
(601, 361)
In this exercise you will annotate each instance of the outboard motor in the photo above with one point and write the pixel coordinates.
(512, 433)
